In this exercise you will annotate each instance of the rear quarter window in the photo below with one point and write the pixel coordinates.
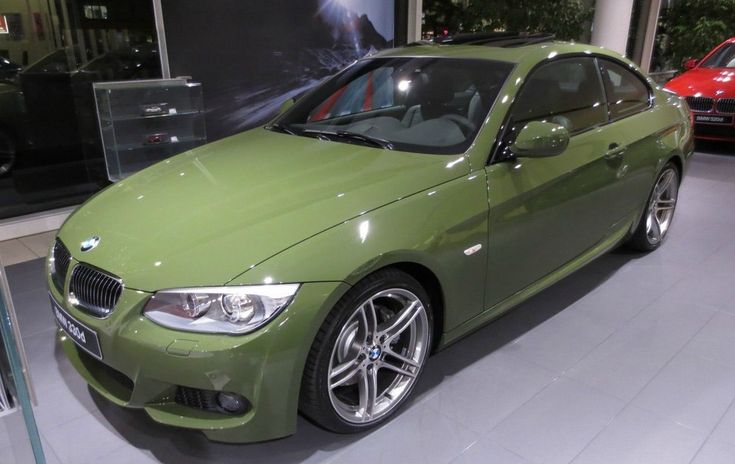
(626, 93)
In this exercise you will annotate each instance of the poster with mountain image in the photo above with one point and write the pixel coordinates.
(262, 53)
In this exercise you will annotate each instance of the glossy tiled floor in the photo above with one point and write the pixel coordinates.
(631, 360)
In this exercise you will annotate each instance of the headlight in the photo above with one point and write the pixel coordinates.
(231, 310)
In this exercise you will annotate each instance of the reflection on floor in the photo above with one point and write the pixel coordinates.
(628, 360)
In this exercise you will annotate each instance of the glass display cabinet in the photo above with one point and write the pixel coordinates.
(145, 121)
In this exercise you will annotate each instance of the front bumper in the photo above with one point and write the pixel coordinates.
(144, 363)
(714, 131)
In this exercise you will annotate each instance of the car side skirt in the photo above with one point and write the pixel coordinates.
(607, 244)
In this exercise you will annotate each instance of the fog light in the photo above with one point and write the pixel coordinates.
(231, 402)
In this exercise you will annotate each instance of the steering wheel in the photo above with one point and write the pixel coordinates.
(465, 125)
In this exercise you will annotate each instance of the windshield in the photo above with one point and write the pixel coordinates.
(426, 105)
(724, 57)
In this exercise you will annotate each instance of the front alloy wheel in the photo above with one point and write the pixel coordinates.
(369, 354)
(378, 355)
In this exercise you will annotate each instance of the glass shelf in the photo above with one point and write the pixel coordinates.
(183, 141)
(153, 116)
(143, 122)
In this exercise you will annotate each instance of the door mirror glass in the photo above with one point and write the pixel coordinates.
(691, 63)
(540, 139)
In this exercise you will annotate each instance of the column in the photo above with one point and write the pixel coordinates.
(415, 19)
(649, 41)
(611, 24)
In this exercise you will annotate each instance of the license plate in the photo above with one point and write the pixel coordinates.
(82, 335)
(713, 119)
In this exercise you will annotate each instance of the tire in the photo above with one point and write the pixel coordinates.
(357, 359)
(7, 153)
(659, 213)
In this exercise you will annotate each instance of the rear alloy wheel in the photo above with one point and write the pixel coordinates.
(659, 213)
(369, 354)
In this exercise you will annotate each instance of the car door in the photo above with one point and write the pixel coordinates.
(544, 212)
(638, 136)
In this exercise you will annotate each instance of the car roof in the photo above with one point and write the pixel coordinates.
(532, 53)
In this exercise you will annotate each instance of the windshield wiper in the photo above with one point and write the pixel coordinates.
(277, 127)
(342, 134)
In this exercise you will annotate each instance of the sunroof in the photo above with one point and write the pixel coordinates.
(496, 39)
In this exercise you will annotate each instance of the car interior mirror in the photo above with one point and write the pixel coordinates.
(286, 105)
(690, 63)
(540, 139)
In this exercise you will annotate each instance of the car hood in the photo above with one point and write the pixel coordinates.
(708, 82)
(210, 214)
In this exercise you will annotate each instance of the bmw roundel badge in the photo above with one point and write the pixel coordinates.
(90, 243)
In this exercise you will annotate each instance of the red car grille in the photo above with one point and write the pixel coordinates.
(700, 103)
(726, 105)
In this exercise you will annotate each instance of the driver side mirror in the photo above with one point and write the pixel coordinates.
(691, 63)
(540, 139)
(286, 105)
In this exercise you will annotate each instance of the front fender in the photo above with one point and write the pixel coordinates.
(433, 228)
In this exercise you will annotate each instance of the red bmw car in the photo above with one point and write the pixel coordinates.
(709, 88)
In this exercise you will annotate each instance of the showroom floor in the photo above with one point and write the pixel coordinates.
(27, 248)
(631, 360)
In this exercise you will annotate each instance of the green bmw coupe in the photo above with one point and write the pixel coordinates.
(314, 264)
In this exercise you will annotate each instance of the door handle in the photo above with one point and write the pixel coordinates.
(614, 152)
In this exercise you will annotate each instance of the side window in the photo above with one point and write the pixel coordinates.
(566, 92)
(626, 93)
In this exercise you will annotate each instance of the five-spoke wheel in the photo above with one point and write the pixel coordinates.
(378, 354)
(375, 344)
(659, 212)
(662, 204)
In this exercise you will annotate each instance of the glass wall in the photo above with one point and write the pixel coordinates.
(20, 441)
(447, 17)
(689, 29)
(51, 51)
